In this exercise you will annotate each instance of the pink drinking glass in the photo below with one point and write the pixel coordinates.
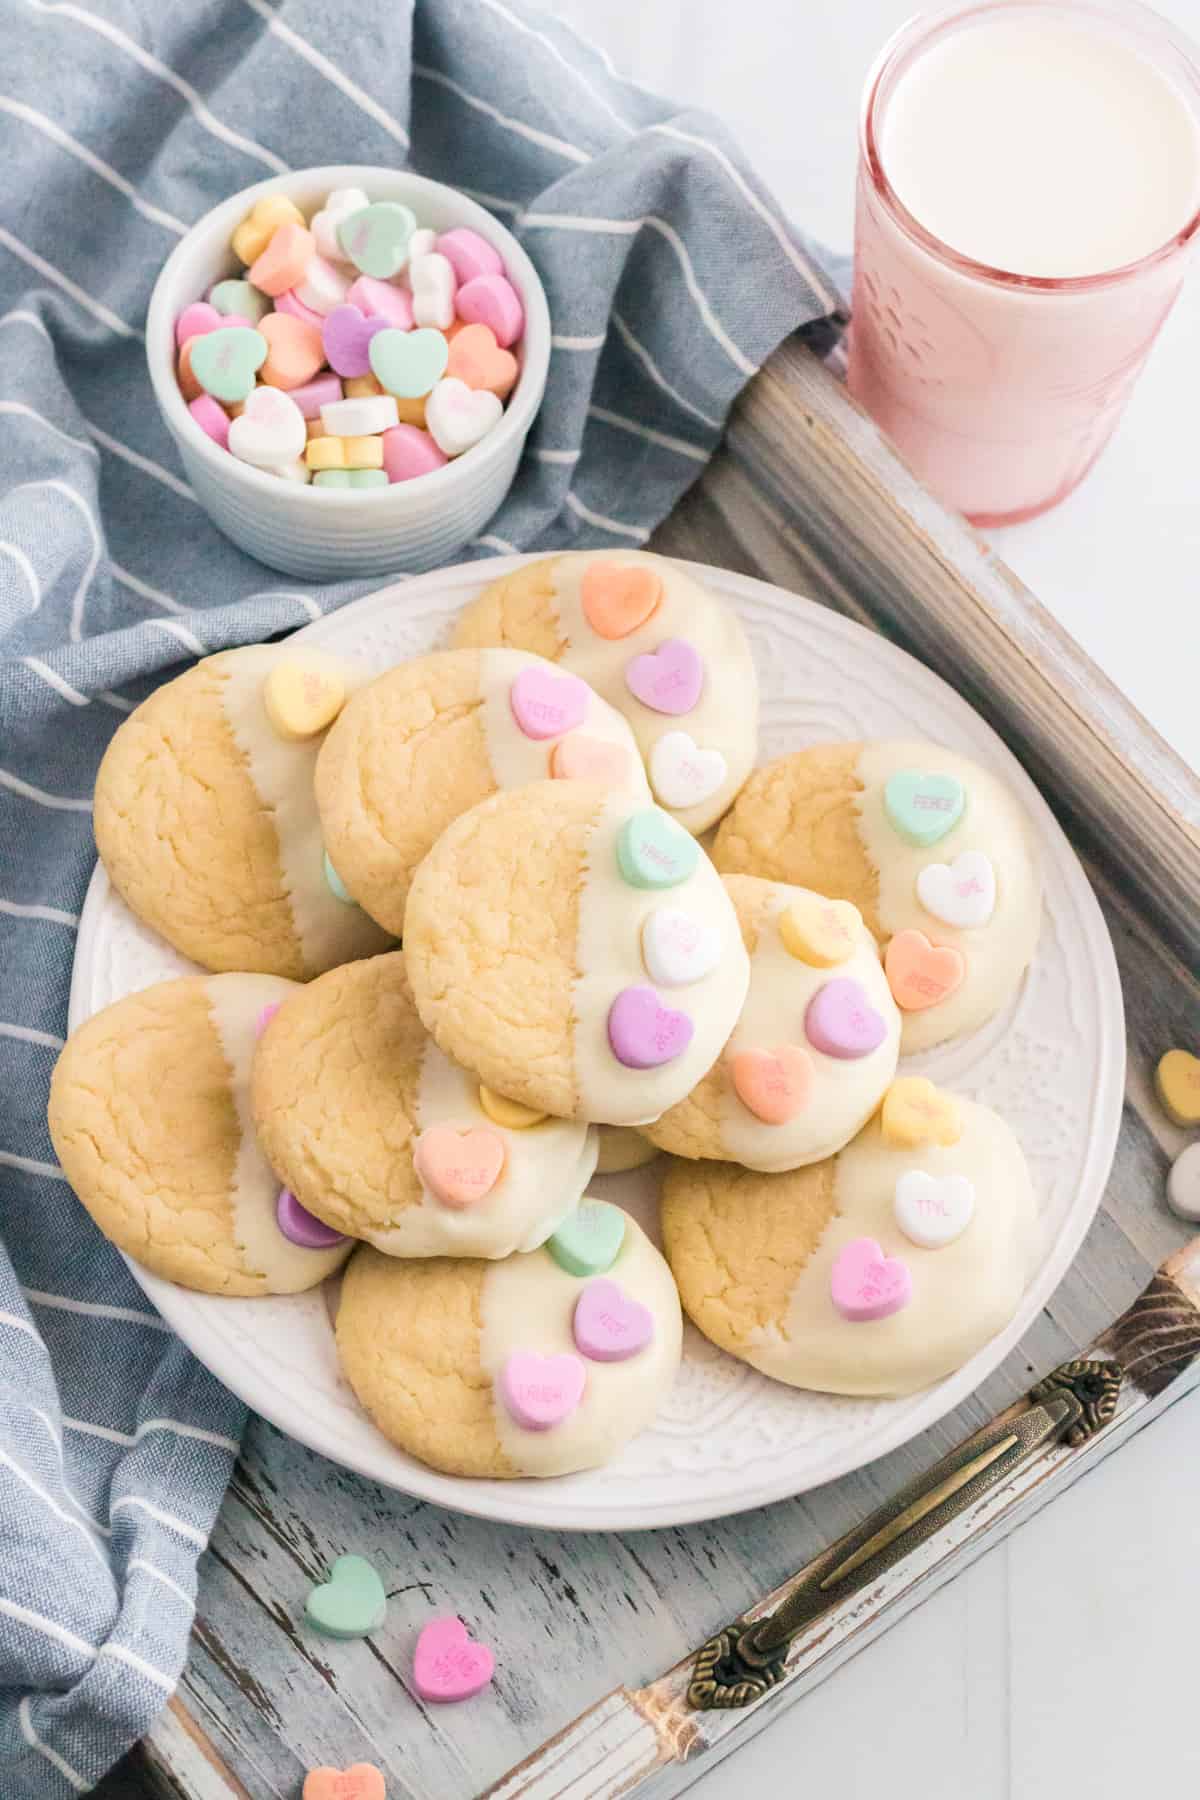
(999, 389)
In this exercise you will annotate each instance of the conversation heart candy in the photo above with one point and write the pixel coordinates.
(541, 1391)
(260, 225)
(432, 283)
(211, 417)
(820, 932)
(545, 705)
(323, 286)
(669, 679)
(302, 698)
(774, 1084)
(468, 254)
(477, 359)
(619, 599)
(346, 336)
(225, 362)
(458, 417)
(284, 261)
(681, 773)
(269, 429)
(339, 205)
(359, 417)
(196, 319)
(294, 351)
(654, 852)
(361, 1781)
(241, 298)
(961, 893)
(408, 363)
(408, 452)
(449, 1664)
(376, 238)
(678, 949)
(643, 1033)
(459, 1168)
(608, 1325)
(493, 301)
(915, 1112)
(336, 885)
(382, 300)
(311, 396)
(865, 1284)
(922, 808)
(351, 1603)
(265, 1016)
(1177, 1080)
(933, 1210)
(589, 1240)
(301, 1227)
(921, 974)
(294, 307)
(509, 1113)
(1183, 1185)
(841, 1022)
(582, 758)
(350, 478)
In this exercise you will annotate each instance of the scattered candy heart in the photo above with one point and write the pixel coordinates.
(432, 283)
(339, 205)
(493, 301)
(376, 239)
(678, 949)
(361, 1781)
(915, 1113)
(682, 774)
(961, 893)
(841, 1022)
(268, 430)
(449, 1664)
(546, 705)
(923, 808)
(459, 1168)
(469, 254)
(654, 852)
(775, 1084)
(643, 1033)
(669, 680)
(541, 1391)
(1177, 1079)
(820, 932)
(409, 363)
(459, 417)
(303, 698)
(619, 599)
(408, 452)
(609, 1326)
(582, 758)
(1183, 1185)
(301, 1227)
(589, 1240)
(509, 1113)
(346, 338)
(351, 1603)
(933, 1210)
(921, 974)
(225, 362)
(865, 1284)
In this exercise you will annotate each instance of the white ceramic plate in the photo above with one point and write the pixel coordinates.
(727, 1438)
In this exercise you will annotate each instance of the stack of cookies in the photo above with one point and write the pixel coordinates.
(466, 950)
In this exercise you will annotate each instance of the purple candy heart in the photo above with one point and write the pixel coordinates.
(643, 1032)
(841, 1021)
(299, 1227)
(346, 335)
(670, 679)
(608, 1325)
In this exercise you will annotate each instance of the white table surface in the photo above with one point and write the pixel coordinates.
(1062, 1663)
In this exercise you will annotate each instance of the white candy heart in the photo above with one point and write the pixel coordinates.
(270, 429)
(434, 285)
(961, 893)
(932, 1210)
(297, 471)
(682, 774)
(338, 206)
(457, 416)
(421, 243)
(1183, 1184)
(324, 286)
(678, 949)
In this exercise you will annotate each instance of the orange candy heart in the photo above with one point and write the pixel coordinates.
(476, 358)
(189, 387)
(362, 1781)
(773, 1084)
(618, 600)
(294, 351)
(921, 974)
(459, 1167)
(285, 260)
(578, 757)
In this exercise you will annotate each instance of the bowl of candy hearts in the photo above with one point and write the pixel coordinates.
(349, 359)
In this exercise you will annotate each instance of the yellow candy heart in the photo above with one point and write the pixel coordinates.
(915, 1112)
(509, 1113)
(302, 698)
(819, 931)
(260, 225)
(1177, 1079)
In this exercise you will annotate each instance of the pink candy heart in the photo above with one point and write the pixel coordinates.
(865, 1284)
(669, 680)
(468, 254)
(448, 1664)
(643, 1033)
(542, 1391)
(312, 395)
(841, 1021)
(198, 318)
(607, 1325)
(380, 300)
(292, 303)
(545, 705)
(492, 300)
(346, 335)
(408, 452)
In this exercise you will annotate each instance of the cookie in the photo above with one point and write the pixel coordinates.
(511, 1368)
(378, 1134)
(432, 738)
(205, 818)
(150, 1117)
(654, 643)
(816, 1044)
(877, 1271)
(933, 850)
(622, 1149)
(527, 943)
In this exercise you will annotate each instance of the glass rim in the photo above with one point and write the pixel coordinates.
(925, 25)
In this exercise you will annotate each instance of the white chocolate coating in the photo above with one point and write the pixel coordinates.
(517, 759)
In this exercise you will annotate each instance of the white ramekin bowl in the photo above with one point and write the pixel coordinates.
(327, 534)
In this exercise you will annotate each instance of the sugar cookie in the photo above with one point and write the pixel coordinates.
(488, 1368)
(432, 738)
(878, 1271)
(524, 941)
(814, 1049)
(655, 644)
(205, 818)
(933, 850)
(381, 1136)
(622, 1149)
(150, 1117)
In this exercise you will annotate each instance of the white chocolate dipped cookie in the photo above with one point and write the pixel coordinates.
(878, 1271)
(150, 1116)
(542, 1364)
(529, 942)
(381, 1136)
(657, 645)
(816, 1044)
(430, 739)
(933, 850)
(206, 821)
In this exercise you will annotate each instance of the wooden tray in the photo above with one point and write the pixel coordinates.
(808, 495)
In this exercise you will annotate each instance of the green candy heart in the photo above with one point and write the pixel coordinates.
(351, 1603)
(408, 363)
(240, 298)
(653, 851)
(376, 238)
(226, 361)
(333, 880)
(588, 1242)
(351, 478)
(923, 808)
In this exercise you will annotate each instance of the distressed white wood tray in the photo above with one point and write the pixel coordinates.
(727, 1438)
